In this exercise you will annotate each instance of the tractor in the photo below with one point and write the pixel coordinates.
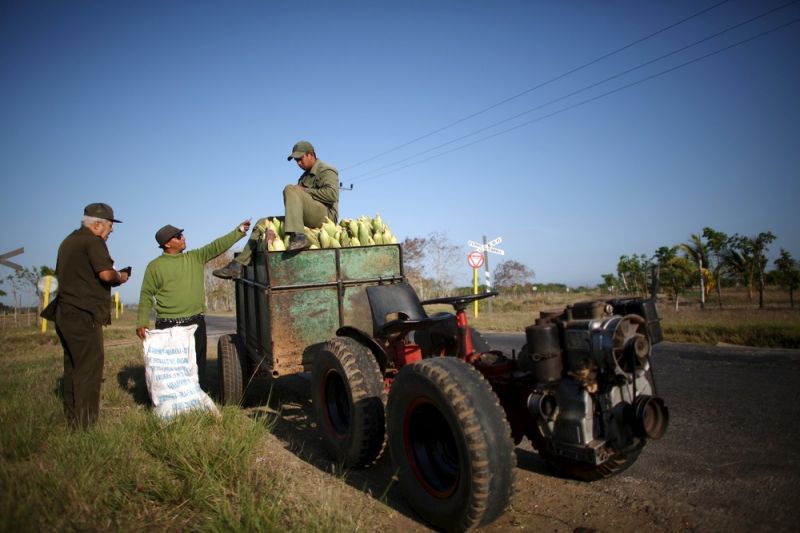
(385, 373)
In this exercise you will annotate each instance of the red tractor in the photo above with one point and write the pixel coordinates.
(452, 409)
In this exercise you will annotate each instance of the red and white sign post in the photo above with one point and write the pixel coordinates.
(483, 250)
(475, 260)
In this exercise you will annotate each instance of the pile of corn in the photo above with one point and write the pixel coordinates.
(361, 231)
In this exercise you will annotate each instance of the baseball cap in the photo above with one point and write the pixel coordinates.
(166, 233)
(300, 149)
(100, 210)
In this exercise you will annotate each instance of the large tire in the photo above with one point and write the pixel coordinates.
(450, 443)
(348, 393)
(229, 364)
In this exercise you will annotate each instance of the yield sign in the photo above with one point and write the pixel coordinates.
(475, 259)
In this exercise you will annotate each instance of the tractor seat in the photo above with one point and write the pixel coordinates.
(396, 309)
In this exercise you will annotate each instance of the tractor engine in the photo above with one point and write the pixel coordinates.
(591, 390)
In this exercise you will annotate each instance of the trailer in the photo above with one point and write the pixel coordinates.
(289, 304)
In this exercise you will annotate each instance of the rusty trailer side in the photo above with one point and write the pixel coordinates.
(289, 303)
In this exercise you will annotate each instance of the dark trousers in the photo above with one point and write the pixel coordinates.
(199, 341)
(82, 340)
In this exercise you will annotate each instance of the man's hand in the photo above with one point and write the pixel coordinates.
(140, 333)
(271, 236)
(123, 276)
(244, 227)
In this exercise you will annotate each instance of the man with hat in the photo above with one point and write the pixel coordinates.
(175, 284)
(82, 307)
(314, 197)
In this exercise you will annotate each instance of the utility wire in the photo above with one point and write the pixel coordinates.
(594, 98)
(574, 93)
(539, 86)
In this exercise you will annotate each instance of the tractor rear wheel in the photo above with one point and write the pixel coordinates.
(349, 396)
(230, 365)
(451, 443)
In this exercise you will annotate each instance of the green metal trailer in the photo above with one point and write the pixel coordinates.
(288, 304)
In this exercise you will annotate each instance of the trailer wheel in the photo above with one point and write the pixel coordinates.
(348, 394)
(451, 443)
(229, 364)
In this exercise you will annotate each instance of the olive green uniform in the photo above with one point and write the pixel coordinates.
(302, 207)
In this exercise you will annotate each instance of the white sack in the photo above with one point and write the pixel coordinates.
(170, 369)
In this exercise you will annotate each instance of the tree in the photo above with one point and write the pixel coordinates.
(633, 272)
(442, 256)
(428, 264)
(788, 274)
(718, 243)
(414, 263)
(747, 257)
(220, 294)
(610, 283)
(512, 274)
(697, 252)
(675, 272)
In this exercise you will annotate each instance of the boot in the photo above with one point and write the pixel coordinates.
(297, 242)
(232, 270)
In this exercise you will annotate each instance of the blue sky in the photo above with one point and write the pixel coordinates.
(184, 113)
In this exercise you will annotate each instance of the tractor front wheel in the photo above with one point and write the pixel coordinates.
(451, 443)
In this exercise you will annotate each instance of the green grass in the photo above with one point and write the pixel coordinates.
(131, 471)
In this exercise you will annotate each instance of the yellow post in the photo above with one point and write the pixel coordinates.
(475, 288)
(46, 300)
(116, 304)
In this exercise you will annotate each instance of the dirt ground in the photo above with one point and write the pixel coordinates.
(542, 500)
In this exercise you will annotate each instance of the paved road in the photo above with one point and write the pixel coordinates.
(730, 458)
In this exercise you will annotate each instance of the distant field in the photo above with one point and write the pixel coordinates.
(739, 321)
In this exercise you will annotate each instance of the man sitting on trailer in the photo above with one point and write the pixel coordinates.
(314, 197)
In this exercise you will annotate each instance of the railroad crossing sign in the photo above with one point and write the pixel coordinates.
(4, 259)
(488, 247)
(475, 259)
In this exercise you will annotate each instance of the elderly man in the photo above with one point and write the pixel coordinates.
(175, 282)
(315, 197)
(82, 307)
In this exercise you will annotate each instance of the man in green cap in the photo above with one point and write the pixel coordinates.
(82, 307)
(315, 197)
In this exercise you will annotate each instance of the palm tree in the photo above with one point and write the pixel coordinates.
(697, 252)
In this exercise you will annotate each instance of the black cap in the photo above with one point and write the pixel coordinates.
(166, 233)
(100, 211)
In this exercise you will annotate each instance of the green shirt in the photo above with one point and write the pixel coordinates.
(176, 282)
(322, 184)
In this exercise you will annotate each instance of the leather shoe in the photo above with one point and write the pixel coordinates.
(232, 270)
(298, 242)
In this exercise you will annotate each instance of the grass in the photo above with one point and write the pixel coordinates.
(131, 471)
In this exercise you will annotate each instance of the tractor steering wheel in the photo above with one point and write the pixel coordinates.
(460, 302)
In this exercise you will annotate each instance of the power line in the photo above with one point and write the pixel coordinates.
(356, 179)
(539, 86)
(589, 100)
